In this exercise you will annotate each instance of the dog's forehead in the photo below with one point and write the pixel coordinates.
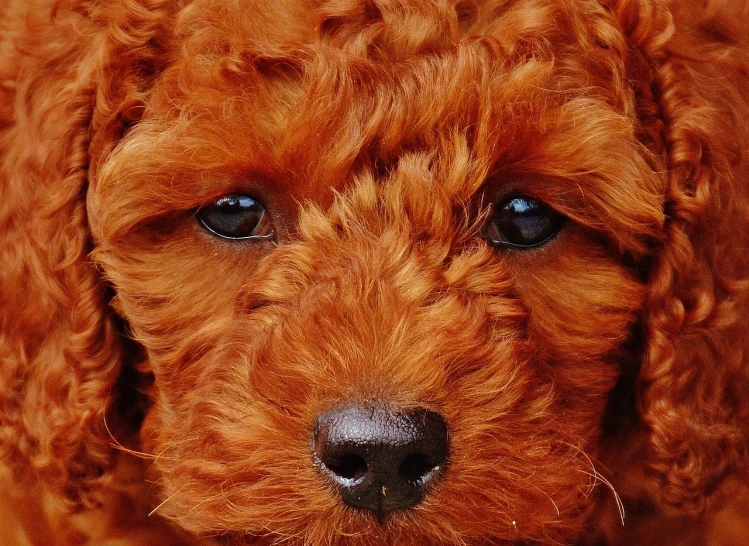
(381, 78)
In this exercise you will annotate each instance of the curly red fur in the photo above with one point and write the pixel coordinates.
(146, 365)
(696, 314)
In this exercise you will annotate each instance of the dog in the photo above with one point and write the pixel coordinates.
(368, 272)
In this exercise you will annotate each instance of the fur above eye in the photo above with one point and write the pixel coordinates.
(236, 217)
(523, 222)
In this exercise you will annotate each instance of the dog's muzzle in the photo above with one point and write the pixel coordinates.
(381, 460)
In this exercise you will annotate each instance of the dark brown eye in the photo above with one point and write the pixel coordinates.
(236, 217)
(523, 222)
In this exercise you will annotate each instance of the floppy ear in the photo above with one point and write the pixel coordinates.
(694, 380)
(60, 351)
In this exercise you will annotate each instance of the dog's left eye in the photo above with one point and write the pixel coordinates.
(523, 222)
(236, 217)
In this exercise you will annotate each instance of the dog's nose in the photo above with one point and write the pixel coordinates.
(381, 460)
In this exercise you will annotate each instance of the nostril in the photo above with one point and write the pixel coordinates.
(349, 467)
(378, 459)
(416, 468)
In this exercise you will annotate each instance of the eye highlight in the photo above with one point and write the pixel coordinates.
(236, 217)
(522, 222)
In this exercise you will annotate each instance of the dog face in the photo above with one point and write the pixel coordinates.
(372, 216)
(385, 267)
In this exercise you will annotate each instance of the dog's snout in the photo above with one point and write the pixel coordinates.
(381, 460)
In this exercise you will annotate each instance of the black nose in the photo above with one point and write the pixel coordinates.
(381, 460)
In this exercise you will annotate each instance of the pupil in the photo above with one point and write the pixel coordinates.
(522, 222)
(525, 222)
(238, 215)
(234, 216)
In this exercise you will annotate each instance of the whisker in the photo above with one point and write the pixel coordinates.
(598, 477)
(162, 503)
(116, 444)
(208, 499)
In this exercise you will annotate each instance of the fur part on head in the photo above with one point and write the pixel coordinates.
(380, 139)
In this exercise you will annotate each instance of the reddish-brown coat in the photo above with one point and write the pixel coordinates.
(146, 365)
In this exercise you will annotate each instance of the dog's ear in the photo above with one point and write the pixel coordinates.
(61, 354)
(693, 384)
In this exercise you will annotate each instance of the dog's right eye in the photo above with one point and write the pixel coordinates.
(236, 217)
(523, 222)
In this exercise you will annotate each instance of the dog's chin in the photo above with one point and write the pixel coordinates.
(396, 530)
